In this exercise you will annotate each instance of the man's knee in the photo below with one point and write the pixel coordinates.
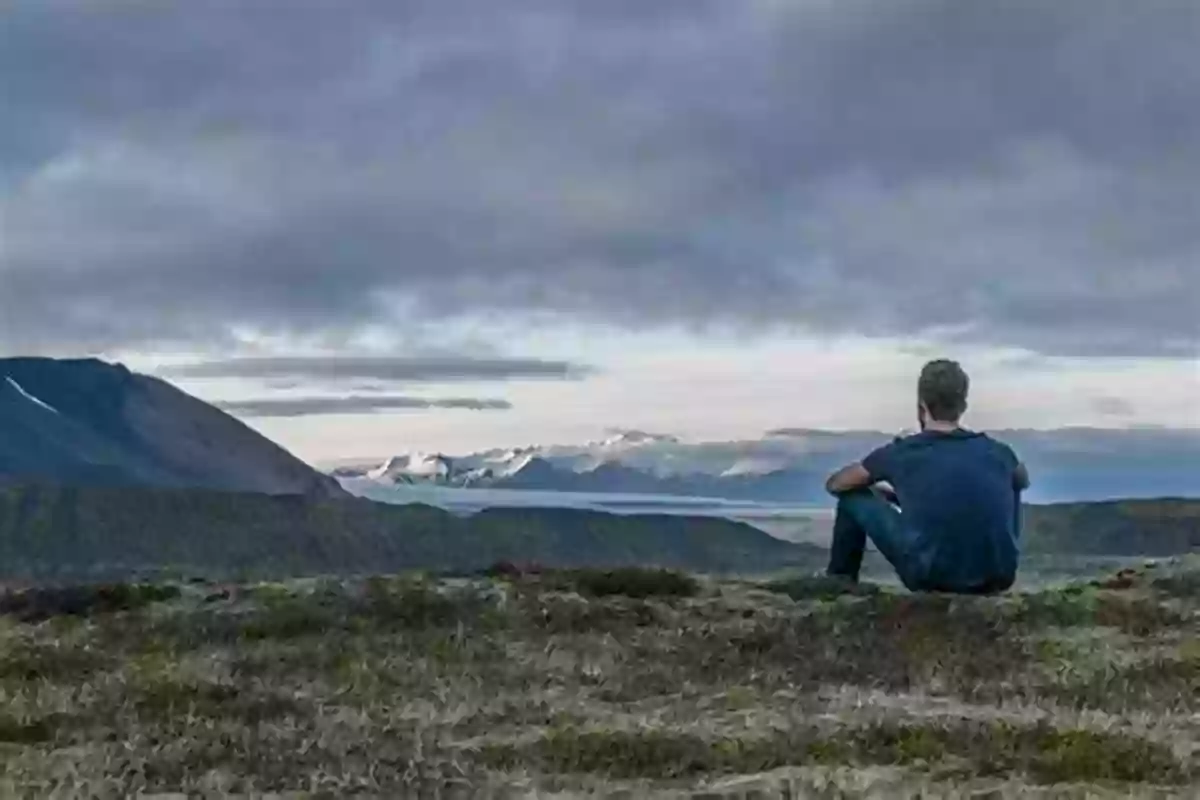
(865, 507)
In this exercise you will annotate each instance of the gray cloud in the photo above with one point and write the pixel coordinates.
(1113, 407)
(354, 404)
(1018, 172)
(439, 369)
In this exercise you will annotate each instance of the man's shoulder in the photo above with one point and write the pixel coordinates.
(995, 441)
(905, 438)
(936, 441)
(999, 446)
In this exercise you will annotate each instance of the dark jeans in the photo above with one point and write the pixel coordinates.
(863, 514)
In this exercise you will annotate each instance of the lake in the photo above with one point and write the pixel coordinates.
(787, 521)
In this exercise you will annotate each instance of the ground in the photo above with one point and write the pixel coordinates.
(627, 683)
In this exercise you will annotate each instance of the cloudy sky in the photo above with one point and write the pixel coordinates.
(388, 224)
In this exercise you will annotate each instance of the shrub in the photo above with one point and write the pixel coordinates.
(635, 582)
(36, 605)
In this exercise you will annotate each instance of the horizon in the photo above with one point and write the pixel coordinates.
(846, 433)
(404, 227)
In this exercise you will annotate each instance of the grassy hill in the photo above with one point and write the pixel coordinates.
(1120, 527)
(67, 532)
(626, 683)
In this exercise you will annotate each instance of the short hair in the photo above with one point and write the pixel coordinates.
(943, 388)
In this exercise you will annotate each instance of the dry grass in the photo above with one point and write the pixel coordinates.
(578, 682)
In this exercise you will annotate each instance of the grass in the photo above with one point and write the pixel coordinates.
(1045, 754)
(642, 681)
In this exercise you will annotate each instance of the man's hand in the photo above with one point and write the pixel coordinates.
(887, 493)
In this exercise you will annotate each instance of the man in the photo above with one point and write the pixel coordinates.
(959, 496)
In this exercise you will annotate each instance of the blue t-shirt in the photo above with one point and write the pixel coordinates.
(959, 502)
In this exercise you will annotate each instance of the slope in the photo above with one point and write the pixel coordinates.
(87, 422)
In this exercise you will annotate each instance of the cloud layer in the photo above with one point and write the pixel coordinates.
(405, 369)
(353, 404)
(1019, 172)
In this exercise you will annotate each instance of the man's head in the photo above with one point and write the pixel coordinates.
(942, 392)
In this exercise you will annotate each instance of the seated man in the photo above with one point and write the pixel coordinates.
(959, 494)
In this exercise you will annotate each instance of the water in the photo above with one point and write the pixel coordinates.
(794, 522)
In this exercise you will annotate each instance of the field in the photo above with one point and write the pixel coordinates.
(620, 683)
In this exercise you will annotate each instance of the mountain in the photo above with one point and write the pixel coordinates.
(91, 423)
(56, 532)
(790, 465)
(1161, 527)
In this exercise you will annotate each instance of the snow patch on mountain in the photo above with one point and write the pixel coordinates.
(30, 397)
(417, 465)
(791, 464)
(756, 465)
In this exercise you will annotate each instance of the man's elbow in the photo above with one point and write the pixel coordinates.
(1021, 478)
(847, 479)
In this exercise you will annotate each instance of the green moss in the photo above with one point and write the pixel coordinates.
(385, 603)
(1075, 755)
(1070, 607)
(635, 582)
(34, 730)
(819, 587)
(1046, 754)
(289, 617)
(170, 697)
(48, 603)
(61, 661)
(410, 602)
(633, 754)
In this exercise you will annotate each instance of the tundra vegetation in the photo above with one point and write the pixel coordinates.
(617, 682)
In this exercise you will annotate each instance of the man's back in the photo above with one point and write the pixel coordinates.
(958, 498)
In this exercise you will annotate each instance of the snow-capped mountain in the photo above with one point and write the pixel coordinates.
(624, 462)
(791, 464)
(416, 465)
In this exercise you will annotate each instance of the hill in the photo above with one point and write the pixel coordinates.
(91, 423)
(55, 531)
(1164, 527)
(628, 683)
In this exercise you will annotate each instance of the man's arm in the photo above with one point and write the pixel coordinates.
(874, 468)
(848, 478)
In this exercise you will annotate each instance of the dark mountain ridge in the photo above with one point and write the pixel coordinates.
(71, 531)
(90, 423)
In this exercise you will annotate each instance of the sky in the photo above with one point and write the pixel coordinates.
(387, 225)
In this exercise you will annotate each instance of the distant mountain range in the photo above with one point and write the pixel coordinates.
(1075, 464)
(87, 422)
